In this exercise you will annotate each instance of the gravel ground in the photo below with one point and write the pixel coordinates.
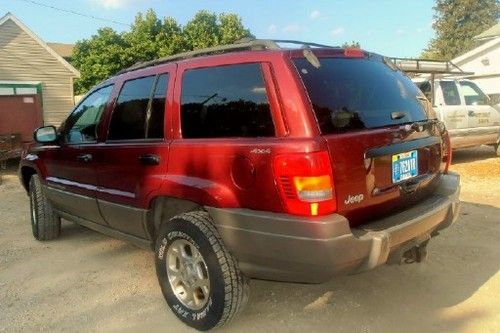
(86, 281)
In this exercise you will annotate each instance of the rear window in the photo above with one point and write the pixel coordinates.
(351, 94)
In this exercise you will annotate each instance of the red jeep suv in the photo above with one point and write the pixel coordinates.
(249, 160)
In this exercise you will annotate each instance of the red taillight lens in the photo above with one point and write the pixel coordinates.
(447, 154)
(305, 183)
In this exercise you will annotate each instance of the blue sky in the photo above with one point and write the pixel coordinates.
(390, 27)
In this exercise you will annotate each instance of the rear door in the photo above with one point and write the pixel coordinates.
(134, 156)
(384, 141)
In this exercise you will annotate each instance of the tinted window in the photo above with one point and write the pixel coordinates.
(472, 94)
(82, 123)
(156, 114)
(450, 93)
(349, 94)
(128, 121)
(425, 87)
(226, 101)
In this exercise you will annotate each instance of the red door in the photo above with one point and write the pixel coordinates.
(20, 115)
(135, 154)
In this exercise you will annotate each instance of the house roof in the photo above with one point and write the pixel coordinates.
(495, 42)
(64, 50)
(10, 16)
(492, 32)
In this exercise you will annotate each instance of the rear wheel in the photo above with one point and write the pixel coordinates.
(46, 225)
(198, 276)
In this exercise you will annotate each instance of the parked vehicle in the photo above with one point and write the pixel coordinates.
(249, 161)
(471, 117)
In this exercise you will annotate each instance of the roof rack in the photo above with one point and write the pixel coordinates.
(432, 67)
(244, 44)
(426, 66)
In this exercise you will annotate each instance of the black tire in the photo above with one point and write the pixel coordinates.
(46, 225)
(229, 289)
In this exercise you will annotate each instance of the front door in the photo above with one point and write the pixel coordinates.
(477, 105)
(135, 155)
(71, 174)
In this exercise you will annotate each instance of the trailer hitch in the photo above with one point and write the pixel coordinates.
(411, 252)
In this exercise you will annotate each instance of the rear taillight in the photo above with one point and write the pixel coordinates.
(447, 152)
(305, 182)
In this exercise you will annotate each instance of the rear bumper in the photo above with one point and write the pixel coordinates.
(288, 248)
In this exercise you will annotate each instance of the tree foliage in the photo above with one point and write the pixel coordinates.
(150, 37)
(456, 22)
(351, 45)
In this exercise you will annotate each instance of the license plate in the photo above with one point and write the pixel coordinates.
(404, 166)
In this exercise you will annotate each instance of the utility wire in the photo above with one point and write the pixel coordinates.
(74, 13)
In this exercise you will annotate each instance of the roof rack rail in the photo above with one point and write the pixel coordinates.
(244, 44)
(427, 66)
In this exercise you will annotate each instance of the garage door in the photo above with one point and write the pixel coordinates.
(20, 115)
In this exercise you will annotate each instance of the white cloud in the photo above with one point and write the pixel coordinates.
(115, 4)
(419, 30)
(337, 31)
(315, 14)
(291, 28)
(400, 32)
(272, 29)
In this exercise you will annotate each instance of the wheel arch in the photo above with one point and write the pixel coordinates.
(163, 208)
(26, 173)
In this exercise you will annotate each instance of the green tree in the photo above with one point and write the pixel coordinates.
(231, 29)
(353, 44)
(456, 22)
(98, 57)
(150, 38)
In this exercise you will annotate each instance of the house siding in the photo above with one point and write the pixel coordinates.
(23, 59)
(487, 73)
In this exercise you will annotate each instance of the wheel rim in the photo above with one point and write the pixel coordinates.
(188, 274)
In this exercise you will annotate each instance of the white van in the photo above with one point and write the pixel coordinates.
(468, 113)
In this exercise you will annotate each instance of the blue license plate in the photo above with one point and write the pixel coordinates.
(404, 166)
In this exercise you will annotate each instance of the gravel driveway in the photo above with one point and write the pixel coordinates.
(85, 281)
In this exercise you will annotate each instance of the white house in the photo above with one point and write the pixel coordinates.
(484, 61)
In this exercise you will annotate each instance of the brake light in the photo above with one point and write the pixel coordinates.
(354, 53)
(447, 152)
(305, 183)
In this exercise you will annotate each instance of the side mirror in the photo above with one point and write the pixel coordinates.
(47, 134)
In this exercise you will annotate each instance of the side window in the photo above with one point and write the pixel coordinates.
(154, 129)
(450, 93)
(472, 94)
(225, 101)
(139, 109)
(82, 123)
(425, 87)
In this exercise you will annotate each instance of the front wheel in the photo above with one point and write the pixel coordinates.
(199, 278)
(46, 225)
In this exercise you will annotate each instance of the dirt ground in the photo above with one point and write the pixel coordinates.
(86, 281)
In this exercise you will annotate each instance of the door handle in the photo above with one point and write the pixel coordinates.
(85, 158)
(471, 113)
(149, 159)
